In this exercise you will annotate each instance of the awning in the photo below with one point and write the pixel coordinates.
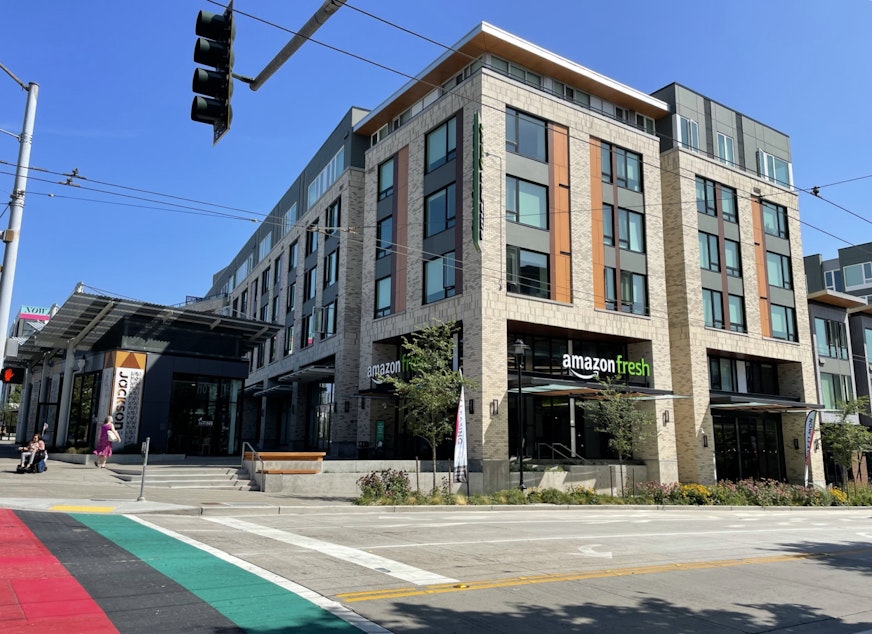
(310, 373)
(588, 390)
(275, 390)
(753, 403)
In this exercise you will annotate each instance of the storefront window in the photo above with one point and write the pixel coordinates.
(204, 420)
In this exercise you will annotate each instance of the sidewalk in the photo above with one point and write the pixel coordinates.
(69, 487)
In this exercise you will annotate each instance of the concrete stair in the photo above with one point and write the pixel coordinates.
(199, 476)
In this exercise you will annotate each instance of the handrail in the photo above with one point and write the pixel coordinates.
(254, 453)
(569, 455)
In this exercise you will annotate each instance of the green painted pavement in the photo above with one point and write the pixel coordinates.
(253, 603)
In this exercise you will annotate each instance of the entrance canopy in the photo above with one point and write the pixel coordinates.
(752, 403)
(85, 320)
(557, 388)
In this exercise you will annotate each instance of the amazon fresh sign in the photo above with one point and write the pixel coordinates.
(378, 371)
(585, 367)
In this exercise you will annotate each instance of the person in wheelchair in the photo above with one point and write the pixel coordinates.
(33, 456)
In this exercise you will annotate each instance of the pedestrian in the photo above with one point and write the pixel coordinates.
(29, 453)
(108, 435)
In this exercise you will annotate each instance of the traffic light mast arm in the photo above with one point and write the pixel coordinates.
(313, 24)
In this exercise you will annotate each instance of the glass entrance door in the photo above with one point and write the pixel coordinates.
(748, 446)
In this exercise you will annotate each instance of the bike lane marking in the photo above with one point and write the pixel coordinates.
(250, 596)
(378, 563)
(37, 593)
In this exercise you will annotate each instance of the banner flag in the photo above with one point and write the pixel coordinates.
(809, 439)
(461, 468)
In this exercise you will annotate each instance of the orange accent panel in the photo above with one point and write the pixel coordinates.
(598, 251)
(561, 252)
(402, 216)
(760, 262)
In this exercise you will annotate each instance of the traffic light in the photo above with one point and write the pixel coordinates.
(214, 48)
(13, 376)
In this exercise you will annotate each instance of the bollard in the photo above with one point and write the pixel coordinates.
(144, 452)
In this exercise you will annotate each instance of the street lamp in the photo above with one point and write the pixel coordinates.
(520, 349)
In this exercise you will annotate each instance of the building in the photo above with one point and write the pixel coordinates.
(530, 199)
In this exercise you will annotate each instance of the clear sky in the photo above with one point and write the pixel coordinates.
(115, 94)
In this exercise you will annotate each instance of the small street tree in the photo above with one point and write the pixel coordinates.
(616, 414)
(430, 395)
(845, 440)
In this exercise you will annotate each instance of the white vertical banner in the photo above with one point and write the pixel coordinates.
(461, 468)
(127, 403)
(809, 439)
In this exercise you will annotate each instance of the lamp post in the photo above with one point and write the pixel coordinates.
(520, 349)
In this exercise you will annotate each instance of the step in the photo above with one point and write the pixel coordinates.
(187, 477)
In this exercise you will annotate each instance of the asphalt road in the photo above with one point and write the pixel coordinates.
(431, 569)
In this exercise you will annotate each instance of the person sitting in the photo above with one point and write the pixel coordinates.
(31, 454)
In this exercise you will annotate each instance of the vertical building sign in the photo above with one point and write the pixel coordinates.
(123, 374)
(477, 178)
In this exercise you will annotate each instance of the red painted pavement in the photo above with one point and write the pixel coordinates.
(37, 594)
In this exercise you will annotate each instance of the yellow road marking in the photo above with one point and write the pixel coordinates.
(69, 508)
(398, 593)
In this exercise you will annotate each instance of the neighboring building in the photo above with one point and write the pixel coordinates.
(525, 197)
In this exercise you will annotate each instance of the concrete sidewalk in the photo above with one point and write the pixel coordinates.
(69, 487)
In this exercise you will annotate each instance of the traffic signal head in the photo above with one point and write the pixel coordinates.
(13, 376)
(214, 48)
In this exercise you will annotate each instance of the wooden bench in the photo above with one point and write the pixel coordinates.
(316, 457)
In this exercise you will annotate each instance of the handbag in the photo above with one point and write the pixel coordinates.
(113, 436)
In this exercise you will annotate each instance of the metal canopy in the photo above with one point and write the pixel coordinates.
(756, 404)
(85, 319)
(309, 373)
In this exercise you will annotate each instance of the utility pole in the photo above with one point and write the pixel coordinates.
(11, 236)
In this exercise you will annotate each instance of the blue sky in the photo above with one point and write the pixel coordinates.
(115, 94)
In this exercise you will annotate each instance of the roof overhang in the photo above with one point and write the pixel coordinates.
(835, 298)
(85, 319)
(586, 390)
(487, 38)
(309, 373)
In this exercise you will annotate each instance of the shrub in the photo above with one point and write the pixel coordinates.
(859, 495)
(582, 495)
(392, 484)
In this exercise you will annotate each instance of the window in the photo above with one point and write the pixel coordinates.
(709, 257)
(736, 307)
(778, 270)
(857, 275)
(264, 282)
(527, 272)
(833, 280)
(783, 320)
(633, 292)
(329, 319)
(631, 230)
(723, 374)
(292, 296)
(832, 338)
(441, 144)
(264, 313)
(243, 303)
(774, 169)
(308, 337)
(713, 308)
(277, 273)
(311, 239)
(439, 278)
(835, 389)
(621, 166)
(386, 179)
(645, 123)
(264, 247)
(275, 308)
(326, 177)
(725, 149)
(761, 378)
(289, 340)
(331, 268)
(526, 203)
(332, 219)
(608, 225)
(867, 338)
(732, 258)
(688, 133)
(292, 256)
(774, 219)
(517, 72)
(439, 211)
(384, 237)
(310, 282)
(290, 218)
(383, 297)
(525, 135)
(709, 193)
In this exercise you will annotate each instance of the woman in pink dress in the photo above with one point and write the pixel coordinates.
(104, 442)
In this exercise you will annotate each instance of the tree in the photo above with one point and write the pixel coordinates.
(844, 440)
(430, 395)
(615, 413)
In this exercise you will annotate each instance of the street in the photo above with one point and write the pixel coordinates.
(680, 569)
